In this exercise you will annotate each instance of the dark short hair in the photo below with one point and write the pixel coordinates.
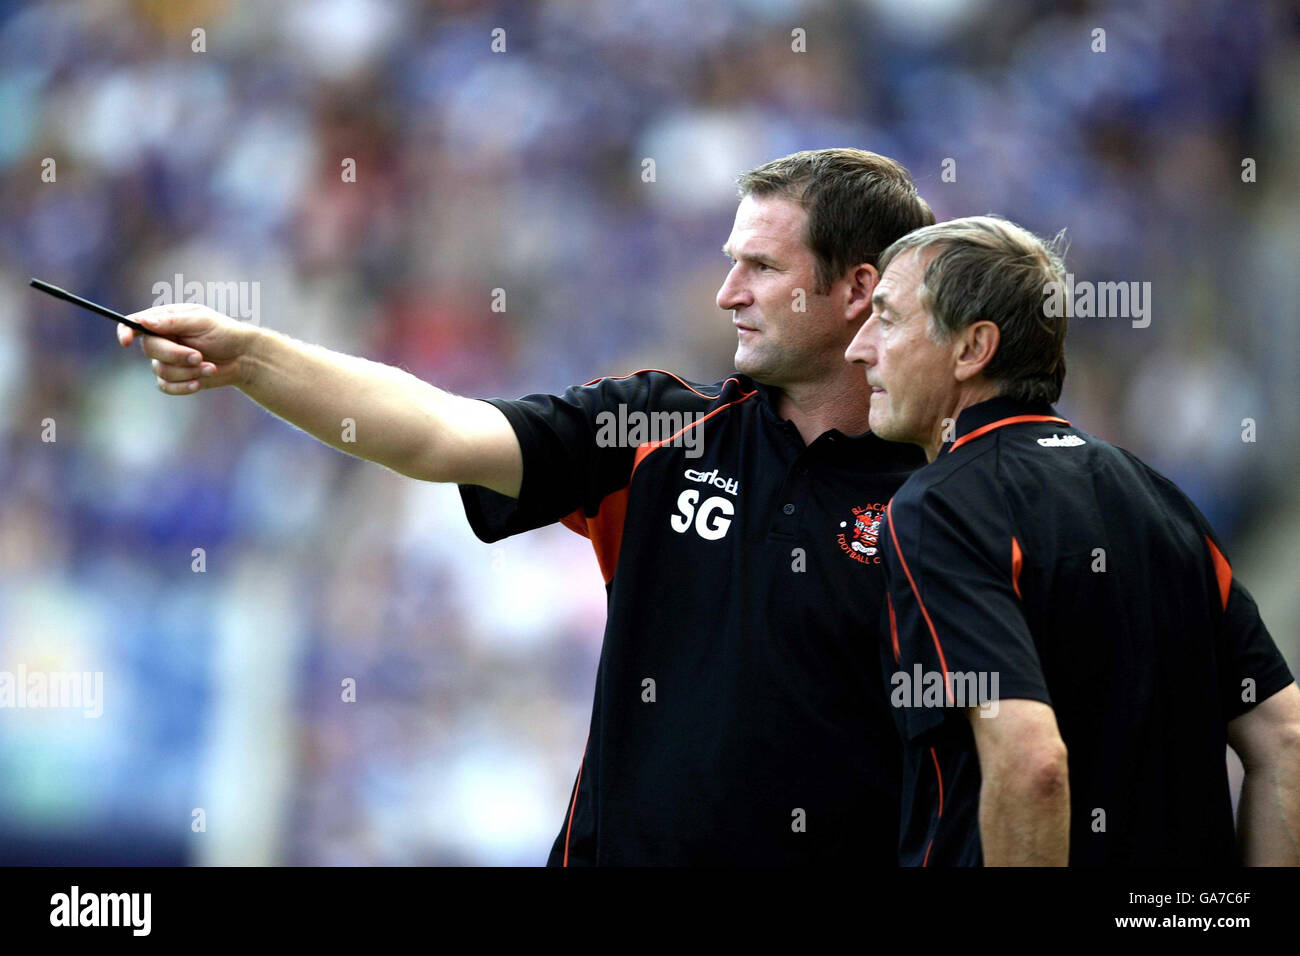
(990, 268)
(857, 202)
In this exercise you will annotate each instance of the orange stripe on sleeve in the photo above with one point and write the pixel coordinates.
(1222, 571)
(1017, 560)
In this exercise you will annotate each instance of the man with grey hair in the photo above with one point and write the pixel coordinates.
(1078, 583)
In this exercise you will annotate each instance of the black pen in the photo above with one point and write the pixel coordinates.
(67, 296)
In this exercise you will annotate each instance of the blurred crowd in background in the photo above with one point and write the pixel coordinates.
(521, 169)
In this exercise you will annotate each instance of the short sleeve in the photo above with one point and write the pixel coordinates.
(573, 453)
(1251, 668)
(958, 625)
(564, 467)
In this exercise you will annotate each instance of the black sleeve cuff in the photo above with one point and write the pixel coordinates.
(493, 516)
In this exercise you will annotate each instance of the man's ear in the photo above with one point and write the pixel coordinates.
(974, 348)
(861, 285)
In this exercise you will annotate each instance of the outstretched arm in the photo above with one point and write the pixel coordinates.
(398, 420)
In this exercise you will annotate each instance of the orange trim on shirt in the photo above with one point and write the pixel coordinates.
(1014, 420)
(605, 529)
(938, 816)
(943, 663)
(618, 378)
(568, 830)
(893, 628)
(1222, 571)
(939, 774)
(646, 448)
(1017, 560)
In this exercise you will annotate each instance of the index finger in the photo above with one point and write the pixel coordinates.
(159, 323)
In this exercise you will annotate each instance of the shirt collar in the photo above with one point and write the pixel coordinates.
(768, 397)
(993, 411)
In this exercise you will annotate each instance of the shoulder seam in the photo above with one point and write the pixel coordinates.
(672, 375)
(644, 450)
(955, 468)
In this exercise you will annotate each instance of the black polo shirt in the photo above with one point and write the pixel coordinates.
(1084, 579)
(739, 714)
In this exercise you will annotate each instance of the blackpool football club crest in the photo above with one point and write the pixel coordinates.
(861, 539)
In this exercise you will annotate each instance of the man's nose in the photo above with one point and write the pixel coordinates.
(861, 350)
(733, 294)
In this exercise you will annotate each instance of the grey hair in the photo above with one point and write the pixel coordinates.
(989, 268)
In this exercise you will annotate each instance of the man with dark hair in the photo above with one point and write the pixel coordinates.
(1070, 652)
(856, 203)
(739, 714)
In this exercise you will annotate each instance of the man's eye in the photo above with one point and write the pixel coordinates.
(762, 266)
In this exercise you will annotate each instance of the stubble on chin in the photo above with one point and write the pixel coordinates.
(748, 362)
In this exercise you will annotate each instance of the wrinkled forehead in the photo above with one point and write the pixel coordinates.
(898, 286)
